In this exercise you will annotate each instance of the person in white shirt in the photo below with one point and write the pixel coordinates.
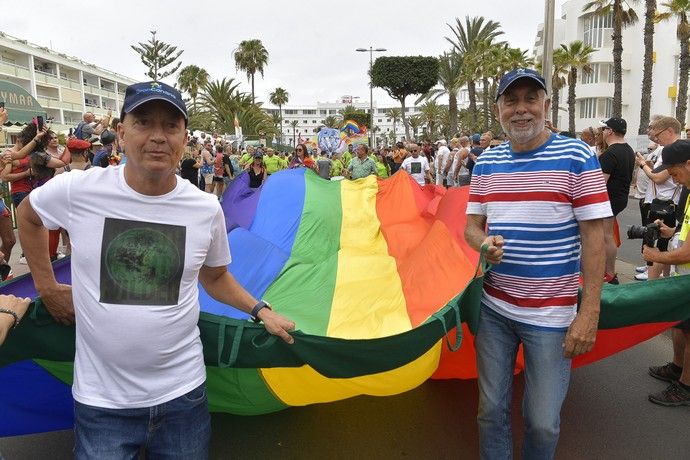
(417, 166)
(137, 259)
(664, 131)
(442, 157)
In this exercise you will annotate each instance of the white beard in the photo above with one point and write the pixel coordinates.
(523, 135)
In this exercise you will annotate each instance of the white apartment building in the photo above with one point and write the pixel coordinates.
(594, 92)
(64, 86)
(310, 117)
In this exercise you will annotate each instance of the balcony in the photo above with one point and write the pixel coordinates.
(15, 70)
(46, 78)
(70, 83)
(49, 102)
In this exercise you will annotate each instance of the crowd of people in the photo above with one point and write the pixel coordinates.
(556, 233)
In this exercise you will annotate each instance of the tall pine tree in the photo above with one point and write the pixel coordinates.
(156, 55)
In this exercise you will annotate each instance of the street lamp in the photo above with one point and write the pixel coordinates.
(371, 50)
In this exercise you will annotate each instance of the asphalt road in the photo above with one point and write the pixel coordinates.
(605, 416)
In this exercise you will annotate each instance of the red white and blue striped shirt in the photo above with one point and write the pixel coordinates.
(535, 200)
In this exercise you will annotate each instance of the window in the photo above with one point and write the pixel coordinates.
(323, 112)
(379, 120)
(309, 111)
(313, 121)
(608, 107)
(305, 121)
(597, 29)
(286, 122)
(380, 111)
(588, 108)
(610, 73)
(332, 111)
(290, 112)
(592, 77)
(388, 120)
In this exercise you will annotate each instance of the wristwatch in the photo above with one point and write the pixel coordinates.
(261, 304)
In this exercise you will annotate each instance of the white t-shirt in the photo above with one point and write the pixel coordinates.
(441, 159)
(135, 266)
(666, 191)
(416, 167)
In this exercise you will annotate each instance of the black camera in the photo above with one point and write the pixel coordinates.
(647, 233)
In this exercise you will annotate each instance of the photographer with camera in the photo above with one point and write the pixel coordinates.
(662, 194)
(675, 160)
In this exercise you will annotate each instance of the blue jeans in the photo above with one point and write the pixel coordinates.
(547, 374)
(177, 429)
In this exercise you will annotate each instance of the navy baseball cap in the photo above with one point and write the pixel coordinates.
(140, 93)
(673, 154)
(514, 75)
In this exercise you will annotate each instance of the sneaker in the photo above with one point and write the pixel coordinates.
(667, 372)
(641, 269)
(611, 279)
(22, 260)
(673, 395)
(642, 276)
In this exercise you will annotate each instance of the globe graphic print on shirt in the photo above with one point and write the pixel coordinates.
(141, 262)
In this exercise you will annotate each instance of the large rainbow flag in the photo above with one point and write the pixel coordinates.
(375, 273)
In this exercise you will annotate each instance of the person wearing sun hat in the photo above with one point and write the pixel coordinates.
(137, 260)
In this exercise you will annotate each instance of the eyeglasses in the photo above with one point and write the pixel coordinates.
(299, 150)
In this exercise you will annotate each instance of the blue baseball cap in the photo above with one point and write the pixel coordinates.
(476, 138)
(141, 93)
(514, 75)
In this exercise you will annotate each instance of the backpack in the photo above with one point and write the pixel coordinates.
(79, 131)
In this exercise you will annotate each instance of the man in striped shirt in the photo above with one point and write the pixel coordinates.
(544, 199)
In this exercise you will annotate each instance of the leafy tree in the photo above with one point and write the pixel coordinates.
(469, 41)
(680, 9)
(251, 57)
(156, 55)
(623, 16)
(402, 76)
(451, 78)
(191, 79)
(575, 56)
(279, 97)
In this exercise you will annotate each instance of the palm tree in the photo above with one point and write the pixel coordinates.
(575, 56)
(451, 79)
(430, 113)
(191, 79)
(332, 121)
(251, 57)
(415, 122)
(623, 16)
(467, 38)
(279, 97)
(680, 9)
(294, 123)
(647, 64)
(558, 81)
(394, 114)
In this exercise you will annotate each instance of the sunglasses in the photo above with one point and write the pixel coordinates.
(299, 150)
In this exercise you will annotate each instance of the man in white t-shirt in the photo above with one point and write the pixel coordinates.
(417, 166)
(442, 155)
(664, 131)
(137, 259)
